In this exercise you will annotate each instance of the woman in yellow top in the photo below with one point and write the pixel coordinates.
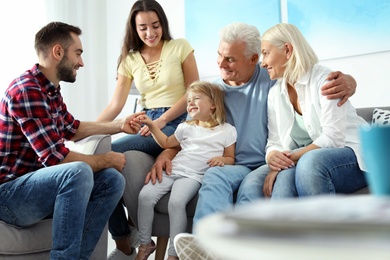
(161, 68)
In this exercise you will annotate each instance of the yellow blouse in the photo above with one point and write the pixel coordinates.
(161, 83)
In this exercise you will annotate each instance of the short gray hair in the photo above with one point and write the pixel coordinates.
(245, 33)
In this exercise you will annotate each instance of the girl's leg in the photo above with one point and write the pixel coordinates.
(183, 190)
(148, 198)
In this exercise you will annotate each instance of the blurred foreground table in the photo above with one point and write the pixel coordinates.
(326, 227)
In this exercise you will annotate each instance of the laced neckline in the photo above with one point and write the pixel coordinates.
(153, 69)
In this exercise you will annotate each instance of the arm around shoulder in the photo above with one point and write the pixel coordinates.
(340, 86)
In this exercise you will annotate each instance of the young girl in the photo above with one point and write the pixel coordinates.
(206, 141)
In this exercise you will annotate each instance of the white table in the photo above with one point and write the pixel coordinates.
(227, 239)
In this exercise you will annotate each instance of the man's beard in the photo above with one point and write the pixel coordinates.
(65, 71)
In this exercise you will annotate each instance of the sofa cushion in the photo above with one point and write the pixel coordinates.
(380, 117)
(36, 238)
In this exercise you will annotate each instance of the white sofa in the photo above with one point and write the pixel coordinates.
(34, 242)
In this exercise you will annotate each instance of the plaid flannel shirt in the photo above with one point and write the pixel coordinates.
(34, 122)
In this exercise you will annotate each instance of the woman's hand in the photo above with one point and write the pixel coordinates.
(269, 183)
(278, 161)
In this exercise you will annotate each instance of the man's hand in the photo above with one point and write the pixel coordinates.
(340, 86)
(116, 160)
(98, 162)
(163, 162)
(269, 183)
(130, 125)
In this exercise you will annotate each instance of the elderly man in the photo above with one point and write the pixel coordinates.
(39, 176)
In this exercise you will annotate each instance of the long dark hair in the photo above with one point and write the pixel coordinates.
(132, 42)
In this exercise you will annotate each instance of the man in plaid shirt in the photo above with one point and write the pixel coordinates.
(39, 176)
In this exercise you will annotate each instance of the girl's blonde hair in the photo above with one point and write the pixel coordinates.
(216, 94)
(303, 56)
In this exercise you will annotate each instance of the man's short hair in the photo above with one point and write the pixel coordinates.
(55, 33)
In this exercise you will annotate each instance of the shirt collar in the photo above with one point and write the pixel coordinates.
(46, 85)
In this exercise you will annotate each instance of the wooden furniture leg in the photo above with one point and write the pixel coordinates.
(162, 243)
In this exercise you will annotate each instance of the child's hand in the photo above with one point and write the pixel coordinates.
(144, 119)
(216, 161)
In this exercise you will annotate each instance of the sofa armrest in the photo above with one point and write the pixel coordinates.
(95, 144)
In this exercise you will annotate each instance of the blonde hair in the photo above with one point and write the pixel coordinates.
(216, 94)
(303, 57)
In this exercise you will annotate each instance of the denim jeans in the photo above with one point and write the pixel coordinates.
(251, 188)
(320, 171)
(78, 200)
(118, 225)
(329, 171)
(218, 188)
(147, 144)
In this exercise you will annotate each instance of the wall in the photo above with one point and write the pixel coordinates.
(372, 73)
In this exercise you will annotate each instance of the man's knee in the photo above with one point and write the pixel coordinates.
(81, 174)
(113, 178)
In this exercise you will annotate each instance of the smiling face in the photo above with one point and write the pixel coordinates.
(199, 106)
(236, 69)
(274, 59)
(71, 61)
(148, 28)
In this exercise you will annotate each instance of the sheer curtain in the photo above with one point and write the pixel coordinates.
(21, 19)
(87, 97)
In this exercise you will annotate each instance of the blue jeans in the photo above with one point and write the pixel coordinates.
(329, 171)
(321, 171)
(118, 225)
(218, 188)
(147, 144)
(78, 200)
(251, 188)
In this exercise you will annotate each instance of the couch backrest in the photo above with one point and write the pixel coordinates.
(366, 112)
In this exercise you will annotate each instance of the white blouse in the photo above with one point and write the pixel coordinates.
(328, 125)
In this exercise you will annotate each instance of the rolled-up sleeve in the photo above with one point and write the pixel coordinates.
(45, 123)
